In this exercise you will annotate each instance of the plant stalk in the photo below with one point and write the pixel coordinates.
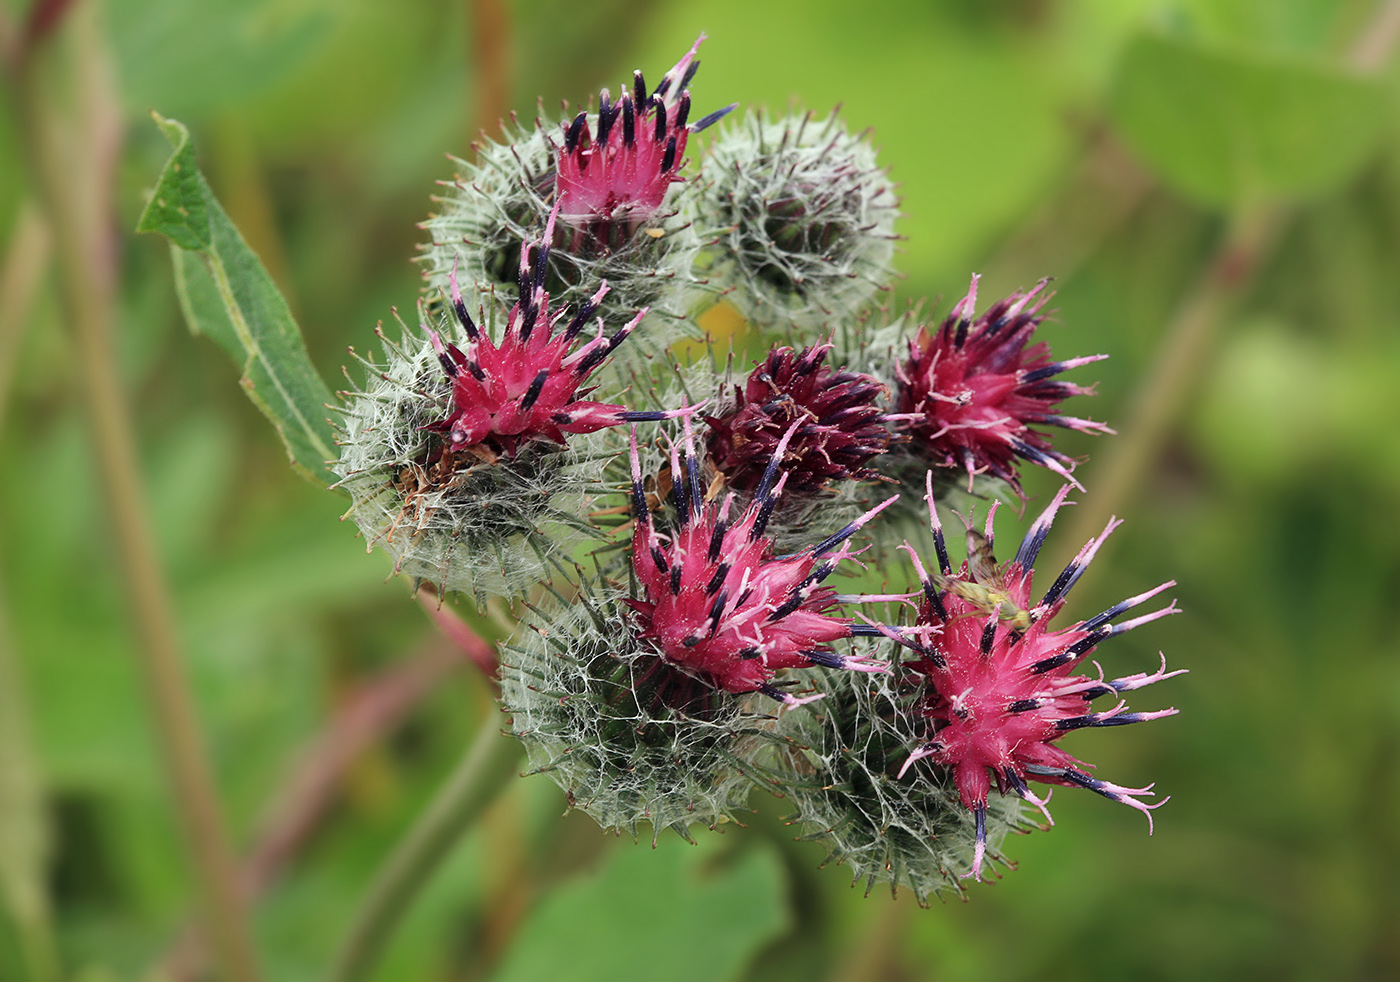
(72, 173)
(24, 836)
(21, 275)
(490, 36)
(482, 772)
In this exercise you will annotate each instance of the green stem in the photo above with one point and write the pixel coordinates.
(21, 274)
(74, 187)
(24, 836)
(483, 771)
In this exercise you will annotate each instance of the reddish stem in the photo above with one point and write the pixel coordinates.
(474, 646)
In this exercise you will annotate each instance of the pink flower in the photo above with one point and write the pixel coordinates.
(839, 426)
(719, 605)
(613, 178)
(526, 388)
(1000, 689)
(976, 390)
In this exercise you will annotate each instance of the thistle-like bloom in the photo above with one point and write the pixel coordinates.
(976, 390)
(1000, 684)
(613, 177)
(526, 388)
(839, 426)
(719, 605)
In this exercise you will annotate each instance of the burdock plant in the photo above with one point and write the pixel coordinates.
(682, 637)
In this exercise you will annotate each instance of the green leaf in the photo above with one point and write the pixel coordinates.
(228, 297)
(1231, 127)
(676, 912)
(177, 208)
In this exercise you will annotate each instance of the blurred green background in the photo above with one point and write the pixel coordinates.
(1214, 183)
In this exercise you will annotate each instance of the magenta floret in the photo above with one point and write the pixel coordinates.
(718, 604)
(840, 427)
(526, 387)
(1000, 685)
(974, 390)
(613, 176)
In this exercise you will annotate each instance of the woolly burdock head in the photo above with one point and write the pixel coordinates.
(973, 390)
(627, 737)
(613, 174)
(618, 222)
(803, 219)
(1000, 688)
(717, 604)
(838, 766)
(458, 458)
(840, 427)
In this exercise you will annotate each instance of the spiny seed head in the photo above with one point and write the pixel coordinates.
(453, 518)
(526, 387)
(802, 217)
(718, 604)
(626, 736)
(972, 390)
(1000, 689)
(839, 768)
(840, 427)
(614, 172)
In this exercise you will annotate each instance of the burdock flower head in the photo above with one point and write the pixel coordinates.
(653, 704)
(1000, 689)
(717, 604)
(457, 454)
(609, 174)
(613, 176)
(628, 738)
(974, 390)
(839, 425)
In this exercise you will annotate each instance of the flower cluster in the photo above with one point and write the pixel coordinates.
(685, 641)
